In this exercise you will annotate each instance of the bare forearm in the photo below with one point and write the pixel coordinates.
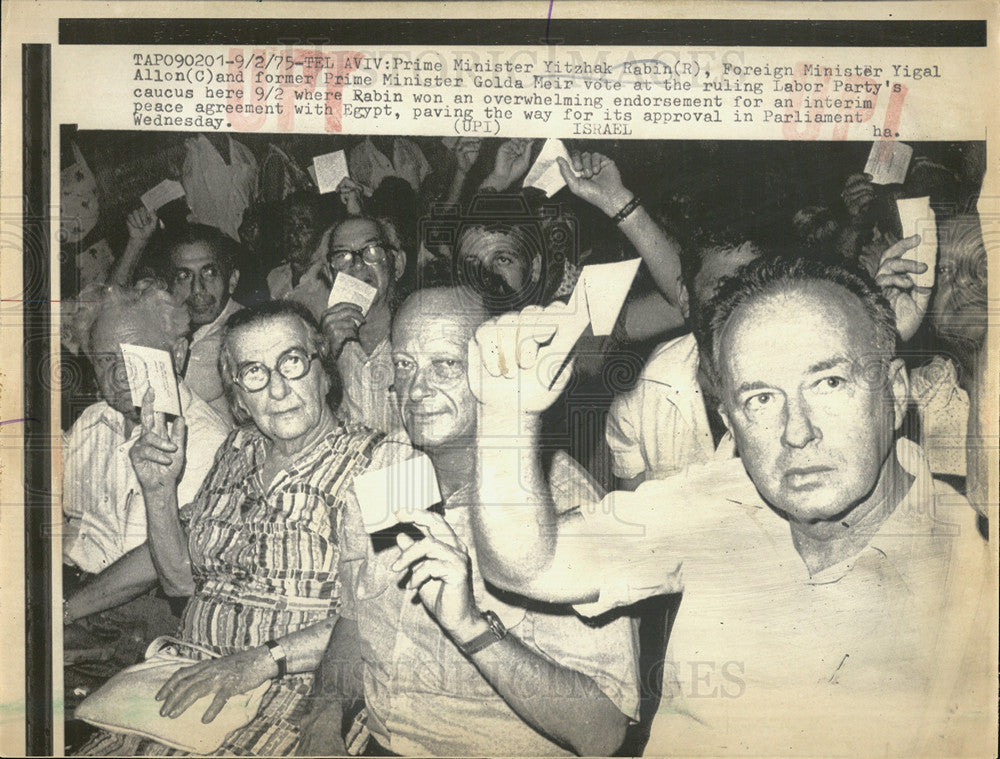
(168, 542)
(580, 717)
(514, 518)
(129, 577)
(661, 252)
(125, 268)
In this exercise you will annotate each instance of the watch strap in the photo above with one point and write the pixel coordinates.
(496, 632)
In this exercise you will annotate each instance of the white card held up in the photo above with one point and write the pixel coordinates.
(544, 173)
(916, 217)
(151, 367)
(888, 161)
(405, 487)
(165, 192)
(606, 287)
(348, 289)
(330, 168)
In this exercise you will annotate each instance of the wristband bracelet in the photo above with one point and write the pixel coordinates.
(627, 209)
(280, 658)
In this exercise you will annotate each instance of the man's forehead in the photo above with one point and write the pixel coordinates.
(193, 254)
(355, 231)
(798, 327)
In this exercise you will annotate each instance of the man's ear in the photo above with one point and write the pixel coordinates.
(725, 420)
(899, 390)
(684, 301)
(179, 353)
(400, 257)
(536, 269)
(234, 278)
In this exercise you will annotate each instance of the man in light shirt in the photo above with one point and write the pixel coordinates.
(834, 594)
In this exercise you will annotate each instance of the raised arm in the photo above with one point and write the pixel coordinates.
(158, 460)
(515, 524)
(584, 719)
(598, 181)
(141, 225)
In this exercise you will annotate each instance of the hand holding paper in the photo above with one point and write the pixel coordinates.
(544, 173)
(158, 455)
(348, 289)
(151, 368)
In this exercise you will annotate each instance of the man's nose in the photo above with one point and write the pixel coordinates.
(419, 389)
(799, 427)
(197, 284)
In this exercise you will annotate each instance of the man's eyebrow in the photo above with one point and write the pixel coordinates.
(747, 386)
(829, 363)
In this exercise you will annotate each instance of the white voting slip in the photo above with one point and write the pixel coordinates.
(544, 173)
(405, 487)
(150, 367)
(348, 289)
(165, 192)
(916, 217)
(888, 162)
(329, 169)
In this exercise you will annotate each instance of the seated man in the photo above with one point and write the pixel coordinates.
(466, 670)
(663, 423)
(302, 226)
(202, 274)
(102, 501)
(830, 585)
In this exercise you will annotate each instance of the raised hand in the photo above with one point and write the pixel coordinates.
(596, 179)
(141, 225)
(908, 301)
(350, 195)
(518, 362)
(340, 323)
(158, 455)
(858, 197)
(512, 162)
(441, 574)
(467, 152)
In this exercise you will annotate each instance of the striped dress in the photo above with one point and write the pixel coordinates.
(264, 560)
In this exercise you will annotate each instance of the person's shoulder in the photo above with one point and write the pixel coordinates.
(674, 362)
(95, 413)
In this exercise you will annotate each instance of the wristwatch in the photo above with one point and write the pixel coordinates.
(496, 632)
(279, 656)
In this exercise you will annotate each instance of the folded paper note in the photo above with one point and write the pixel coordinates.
(348, 289)
(917, 218)
(150, 367)
(888, 162)
(408, 486)
(165, 192)
(329, 169)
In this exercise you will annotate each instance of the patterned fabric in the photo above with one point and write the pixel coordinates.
(265, 563)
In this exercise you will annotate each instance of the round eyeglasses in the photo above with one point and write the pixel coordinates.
(293, 364)
(373, 253)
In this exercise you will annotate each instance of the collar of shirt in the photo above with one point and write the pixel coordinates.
(208, 330)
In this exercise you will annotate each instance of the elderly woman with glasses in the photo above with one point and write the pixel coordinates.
(258, 548)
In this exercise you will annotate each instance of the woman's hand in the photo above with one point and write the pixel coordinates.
(440, 573)
(222, 678)
(158, 455)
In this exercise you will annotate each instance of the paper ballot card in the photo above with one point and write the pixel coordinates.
(544, 173)
(151, 367)
(888, 161)
(330, 168)
(917, 218)
(606, 286)
(408, 486)
(348, 289)
(165, 192)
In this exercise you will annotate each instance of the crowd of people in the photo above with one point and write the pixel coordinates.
(751, 520)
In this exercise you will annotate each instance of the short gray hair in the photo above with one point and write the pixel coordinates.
(147, 298)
